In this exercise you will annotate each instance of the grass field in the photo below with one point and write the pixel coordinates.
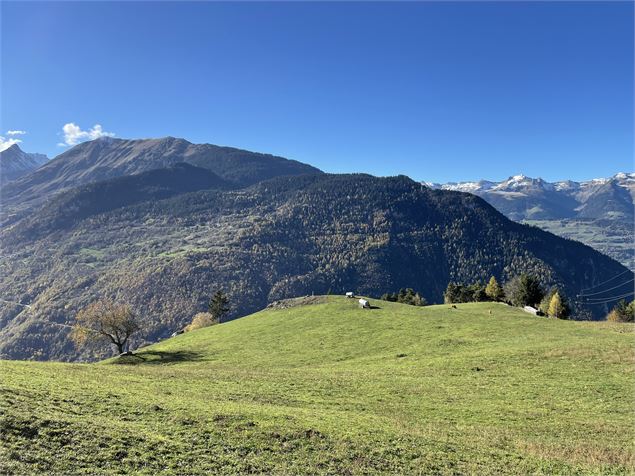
(330, 388)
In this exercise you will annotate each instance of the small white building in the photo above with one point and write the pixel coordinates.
(364, 304)
(350, 295)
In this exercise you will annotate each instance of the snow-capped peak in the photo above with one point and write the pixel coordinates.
(517, 182)
(624, 176)
(522, 183)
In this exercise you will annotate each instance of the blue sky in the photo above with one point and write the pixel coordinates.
(436, 91)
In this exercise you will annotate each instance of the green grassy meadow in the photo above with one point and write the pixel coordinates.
(334, 389)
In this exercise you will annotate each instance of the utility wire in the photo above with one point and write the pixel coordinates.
(603, 301)
(609, 297)
(607, 281)
(606, 290)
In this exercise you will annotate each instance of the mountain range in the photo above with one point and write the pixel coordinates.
(107, 158)
(525, 198)
(598, 212)
(14, 163)
(162, 223)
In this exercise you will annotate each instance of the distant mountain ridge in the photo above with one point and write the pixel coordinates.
(108, 158)
(14, 163)
(525, 198)
(598, 212)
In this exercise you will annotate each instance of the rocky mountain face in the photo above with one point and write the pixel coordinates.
(14, 163)
(163, 239)
(598, 212)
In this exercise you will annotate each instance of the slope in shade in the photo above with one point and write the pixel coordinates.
(72, 206)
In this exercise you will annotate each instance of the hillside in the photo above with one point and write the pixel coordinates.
(334, 389)
(107, 158)
(598, 212)
(280, 238)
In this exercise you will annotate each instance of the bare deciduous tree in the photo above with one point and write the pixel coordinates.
(105, 321)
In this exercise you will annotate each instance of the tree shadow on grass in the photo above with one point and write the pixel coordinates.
(154, 357)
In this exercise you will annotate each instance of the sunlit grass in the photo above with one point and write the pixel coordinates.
(331, 388)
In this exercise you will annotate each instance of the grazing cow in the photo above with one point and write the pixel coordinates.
(364, 304)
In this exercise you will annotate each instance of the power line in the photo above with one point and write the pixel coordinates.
(603, 301)
(606, 290)
(607, 281)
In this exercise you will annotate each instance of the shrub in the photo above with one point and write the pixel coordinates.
(200, 320)
(622, 312)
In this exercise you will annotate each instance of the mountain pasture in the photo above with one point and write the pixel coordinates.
(332, 388)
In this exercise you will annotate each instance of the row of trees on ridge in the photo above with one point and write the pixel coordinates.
(522, 290)
(406, 296)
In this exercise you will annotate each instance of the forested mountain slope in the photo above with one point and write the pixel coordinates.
(284, 237)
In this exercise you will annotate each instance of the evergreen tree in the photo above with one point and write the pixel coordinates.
(475, 293)
(406, 296)
(493, 290)
(389, 297)
(452, 293)
(524, 290)
(219, 306)
(420, 300)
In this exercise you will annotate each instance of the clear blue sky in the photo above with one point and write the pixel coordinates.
(437, 91)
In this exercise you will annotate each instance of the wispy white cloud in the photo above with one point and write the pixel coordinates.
(16, 133)
(6, 143)
(73, 134)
